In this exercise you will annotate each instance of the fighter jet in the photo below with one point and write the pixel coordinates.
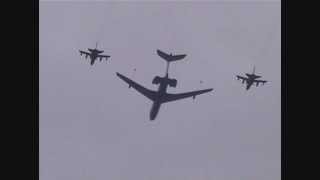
(94, 54)
(161, 96)
(251, 79)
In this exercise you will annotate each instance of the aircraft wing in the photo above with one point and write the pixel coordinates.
(174, 97)
(146, 92)
(103, 56)
(242, 78)
(83, 52)
(259, 81)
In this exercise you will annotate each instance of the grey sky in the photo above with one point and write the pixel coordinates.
(93, 127)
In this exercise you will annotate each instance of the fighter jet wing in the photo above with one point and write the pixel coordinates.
(83, 52)
(174, 97)
(259, 81)
(146, 92)
(242, 78)
(103, 56)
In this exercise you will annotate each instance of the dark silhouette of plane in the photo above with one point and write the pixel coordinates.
(250, 79)
(161, 96)
(94, 54)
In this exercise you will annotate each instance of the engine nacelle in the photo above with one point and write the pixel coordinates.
(156, 80)
(172, 82)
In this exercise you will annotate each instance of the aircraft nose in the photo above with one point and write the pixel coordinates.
(152, 116)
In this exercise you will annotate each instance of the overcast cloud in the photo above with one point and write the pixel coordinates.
(92, 127)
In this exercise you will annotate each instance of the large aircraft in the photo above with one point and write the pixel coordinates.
(94, 54)
(251, 79)
(161, 96)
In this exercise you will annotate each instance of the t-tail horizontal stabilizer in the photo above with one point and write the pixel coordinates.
(170, 57)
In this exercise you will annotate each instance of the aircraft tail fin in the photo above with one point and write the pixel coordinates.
(253, 73)
(170, 57)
